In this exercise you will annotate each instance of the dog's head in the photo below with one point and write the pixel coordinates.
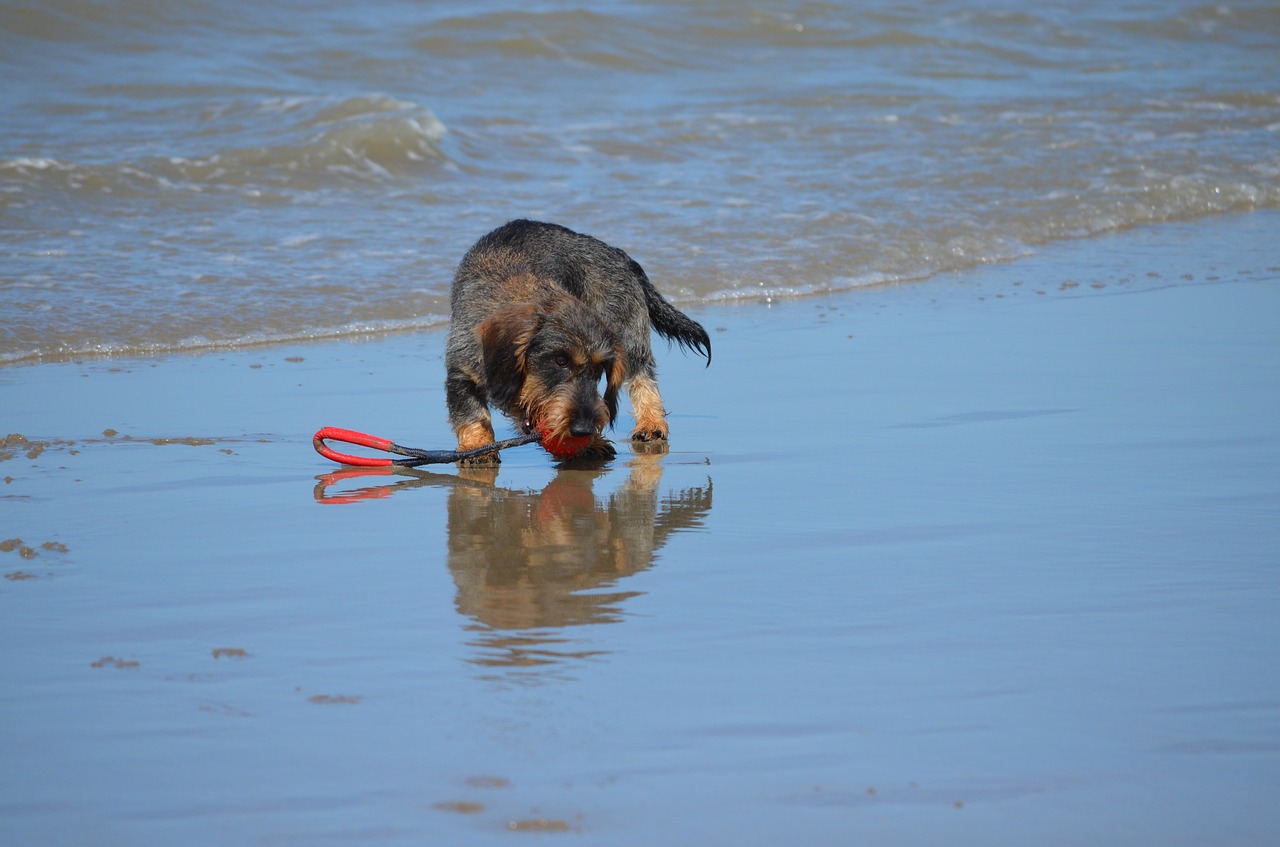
(544, 362)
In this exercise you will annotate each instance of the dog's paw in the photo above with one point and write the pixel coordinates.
(649, 434)
(484, 460)
(598, 450)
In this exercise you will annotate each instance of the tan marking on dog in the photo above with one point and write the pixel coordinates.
(651, 418)
(551, 410)
(475, 435)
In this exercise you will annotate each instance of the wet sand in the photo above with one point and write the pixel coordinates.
(992, 559)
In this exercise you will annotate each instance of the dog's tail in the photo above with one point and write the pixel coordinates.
(669, 321)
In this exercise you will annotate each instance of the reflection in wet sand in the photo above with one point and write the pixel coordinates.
(529, 564)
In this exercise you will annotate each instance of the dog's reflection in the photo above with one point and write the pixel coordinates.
(529, 564)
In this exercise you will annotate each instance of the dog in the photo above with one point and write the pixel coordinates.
(540, 315)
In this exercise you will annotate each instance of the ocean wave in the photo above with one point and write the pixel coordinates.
(224, 191)
(799, 256)
(74, 349)
(577, 37)
(306, 144)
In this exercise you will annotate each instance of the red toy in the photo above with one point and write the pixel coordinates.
(563, 448)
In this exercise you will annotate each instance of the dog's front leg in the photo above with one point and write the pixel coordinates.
(469, 416)
(651, 417)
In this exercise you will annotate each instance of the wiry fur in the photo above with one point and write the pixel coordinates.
(540, 315)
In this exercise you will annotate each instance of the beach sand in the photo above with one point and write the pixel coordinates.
(989, 559)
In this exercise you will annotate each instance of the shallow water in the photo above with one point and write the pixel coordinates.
(1008, 575)
(218, 174)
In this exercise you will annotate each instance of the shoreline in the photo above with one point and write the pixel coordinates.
(770, 297)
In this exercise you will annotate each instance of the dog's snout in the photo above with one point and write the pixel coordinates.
(578, 429)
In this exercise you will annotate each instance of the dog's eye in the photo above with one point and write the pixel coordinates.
(561, 360)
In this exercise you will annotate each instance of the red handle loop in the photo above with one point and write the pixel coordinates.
(418, 457)
(350, 436)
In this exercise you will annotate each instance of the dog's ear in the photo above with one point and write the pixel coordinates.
(504, 345)
(614, 376)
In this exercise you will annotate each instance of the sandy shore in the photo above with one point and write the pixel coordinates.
(986, 560)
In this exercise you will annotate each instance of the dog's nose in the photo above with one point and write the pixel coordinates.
(580, 429)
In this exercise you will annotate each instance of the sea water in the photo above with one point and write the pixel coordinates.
(217, 174)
